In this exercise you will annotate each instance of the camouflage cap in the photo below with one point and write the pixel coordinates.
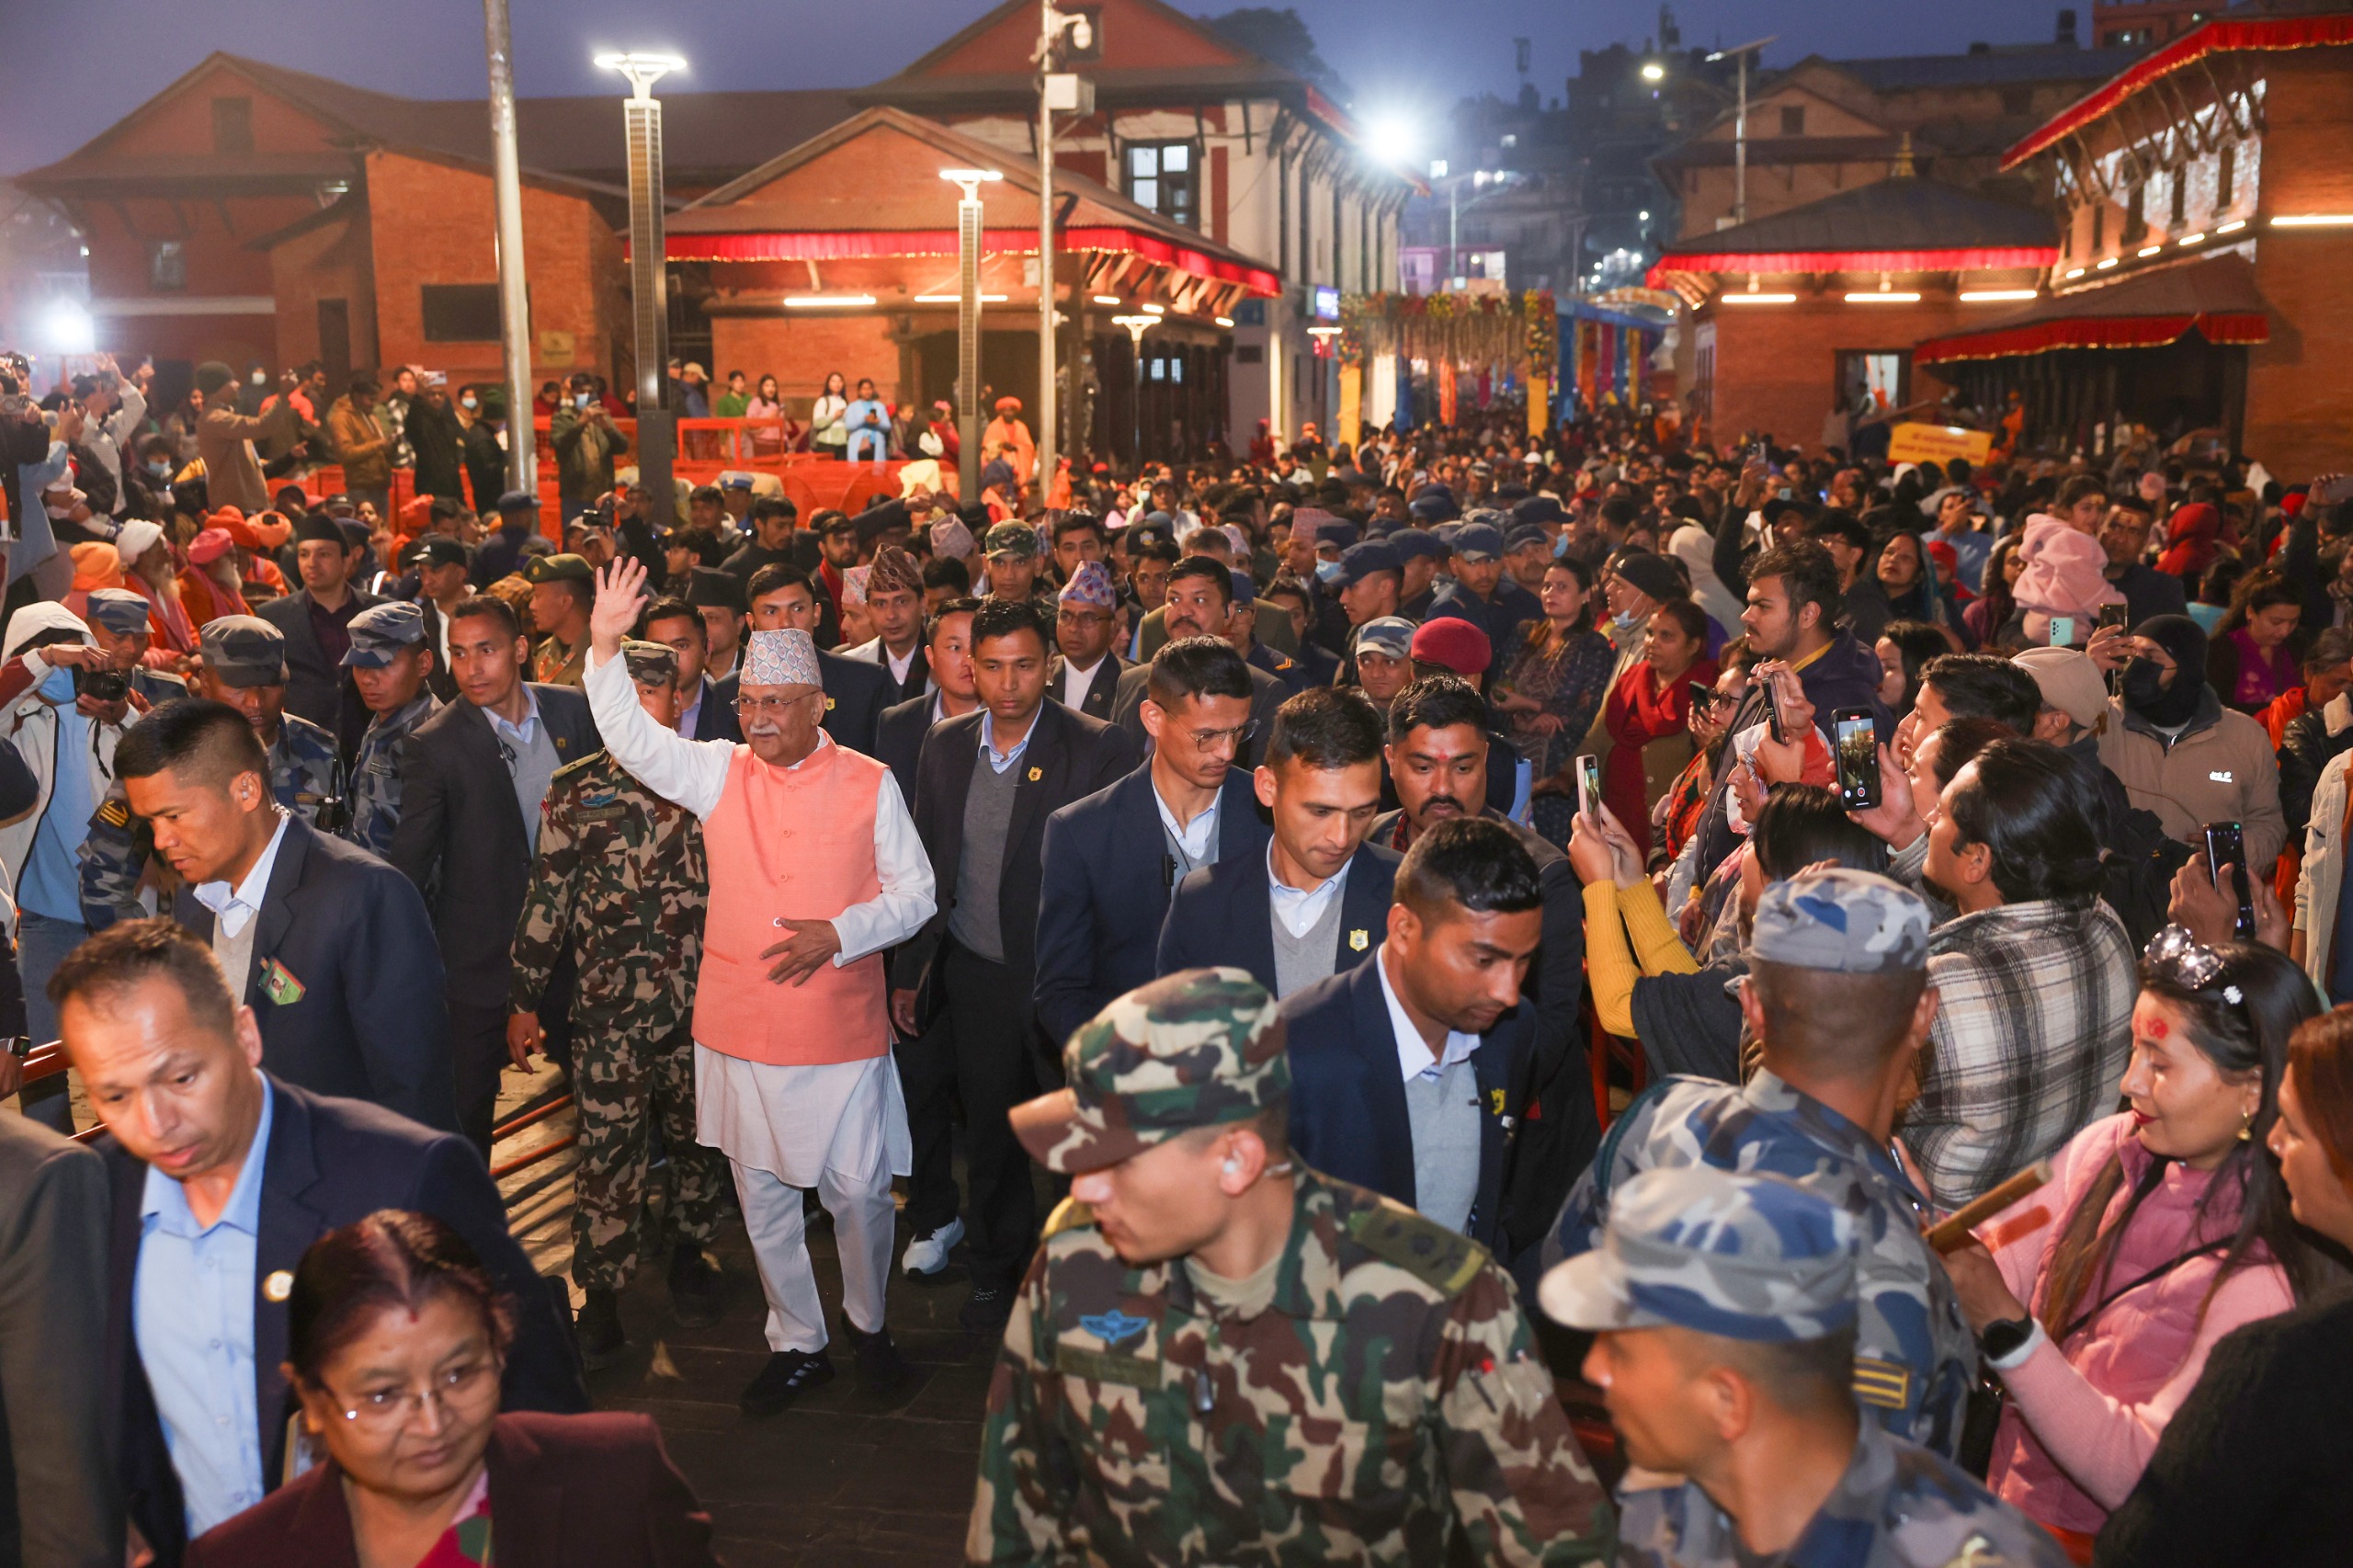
(242, 651)
(1388, 635)
(1195, 1049)
(1845, 921)
(1018, 539)
(650, 662)
(1752, 1257)
(380, 631)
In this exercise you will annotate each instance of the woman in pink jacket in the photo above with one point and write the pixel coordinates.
(2163, 1229)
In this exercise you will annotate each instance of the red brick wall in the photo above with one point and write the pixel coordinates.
(2298, 403)
(1777, 365)
(800, 350)
(436, 224)
(332, 262)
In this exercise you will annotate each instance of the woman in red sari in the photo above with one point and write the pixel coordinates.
(1651, 702)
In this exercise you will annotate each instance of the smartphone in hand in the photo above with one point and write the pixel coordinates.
(2226, 855)
(1589, 786)
(2063, 632)
(1856, 742)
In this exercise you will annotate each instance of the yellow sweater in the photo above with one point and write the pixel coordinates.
(1612, 914)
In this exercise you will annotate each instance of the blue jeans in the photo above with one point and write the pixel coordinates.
(42, 943)
(857, 439)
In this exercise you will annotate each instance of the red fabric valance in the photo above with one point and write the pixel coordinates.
(857, 243)
(2220, 36)
(2093, 332)
(1968, 259)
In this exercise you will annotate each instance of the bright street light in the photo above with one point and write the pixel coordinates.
(1653, 71)
(640, 70)
(1390, 140)
(971, 180)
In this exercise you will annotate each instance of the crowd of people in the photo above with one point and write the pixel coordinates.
(1265, 849)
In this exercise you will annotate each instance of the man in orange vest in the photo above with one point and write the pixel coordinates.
(816, 870)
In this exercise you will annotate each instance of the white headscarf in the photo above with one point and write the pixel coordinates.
(1696, 547)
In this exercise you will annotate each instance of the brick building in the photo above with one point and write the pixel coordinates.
(2206, 201)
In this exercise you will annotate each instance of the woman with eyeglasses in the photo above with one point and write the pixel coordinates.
(396, 1337)
(2164, 1228)
(2252, 1468)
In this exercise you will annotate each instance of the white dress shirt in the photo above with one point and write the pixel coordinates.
(1196, 837)
(1414, 1058)
(1077, 683)
(1299, 908)
(694, 774)
(233, 908)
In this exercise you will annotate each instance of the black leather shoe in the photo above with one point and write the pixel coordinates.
(696, 1287)
(787, 1376)
(881, 1368)
(985, 1310)
(597, 1328)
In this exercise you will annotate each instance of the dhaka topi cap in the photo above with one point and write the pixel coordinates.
(950, 537)
(1017, 540)
(243, 650)
(894, 572)
(651, 663)
(119, 611)
(780, 658)
(854, 584)
(1452, 643)
(1391, 635)
(1846, 921)
(1751, 1257)
(1090, 585)
(1200, 1048)
(381, 632)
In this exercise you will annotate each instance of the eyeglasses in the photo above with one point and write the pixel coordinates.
(1238, 737)
(1083, 617)
(2177, 956)
(774, 707)
(454, 1389)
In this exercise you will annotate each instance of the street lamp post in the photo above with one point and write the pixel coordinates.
(1740, 54)
(1137, 326)
(1057, 29)
(648, 276)
(514, 297)
(968, 329)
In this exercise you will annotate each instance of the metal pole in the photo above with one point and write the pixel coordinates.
(650, 294)
(1740, 148)
(513, 298)
(968, 348)
(1454, 231)
(1046, 431)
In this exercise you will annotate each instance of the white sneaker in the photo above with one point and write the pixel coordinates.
(927, 1254)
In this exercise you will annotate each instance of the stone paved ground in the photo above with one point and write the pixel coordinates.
(841, 1479)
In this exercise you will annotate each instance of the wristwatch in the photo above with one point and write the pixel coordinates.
(2005, 1343)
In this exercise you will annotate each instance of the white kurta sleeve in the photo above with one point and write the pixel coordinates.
(904, 868)
(691, 773)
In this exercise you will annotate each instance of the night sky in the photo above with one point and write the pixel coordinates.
(68, 72)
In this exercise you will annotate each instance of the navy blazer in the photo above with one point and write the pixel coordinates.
(1107, 880)
(1224, 915)
(1100, 691)
(898, 741)
(715, 720)
(371, 1022)
(1348, 1095)
(329, 1161)
(856, 694)
(1267, 694)
(315, 690)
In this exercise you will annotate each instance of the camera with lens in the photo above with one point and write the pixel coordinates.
(101, 685)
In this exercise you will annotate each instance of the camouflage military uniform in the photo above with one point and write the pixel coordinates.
(154, 686)
(305, 774)
(1897, 1507)
(376, 774)
(619, 883)
(1371, 1395)
(1914, 1358)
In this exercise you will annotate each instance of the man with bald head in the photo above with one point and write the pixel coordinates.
(815, 870)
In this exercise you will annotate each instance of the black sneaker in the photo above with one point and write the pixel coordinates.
(696, 1288)
(787, 1376)
(986, 1309)
(881, 1368)
(597, 1328)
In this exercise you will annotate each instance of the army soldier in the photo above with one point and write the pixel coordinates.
(1219, 1356)
(562, 588)
(1837, 997)
(117, 620)
(243, 663)
(1723, 1307)
(390, 665)
(619, 883)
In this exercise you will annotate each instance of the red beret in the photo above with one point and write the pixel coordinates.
(1452, 643)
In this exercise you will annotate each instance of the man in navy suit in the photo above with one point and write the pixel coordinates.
(221, 1176)
(1113, 859)
(783, 598)
(948, 658)
(1315, 903)
(1402, 1068)
(329, 945)
(678, 626)
(1438, 754)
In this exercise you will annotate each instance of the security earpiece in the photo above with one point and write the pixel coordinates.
(1233, 1166)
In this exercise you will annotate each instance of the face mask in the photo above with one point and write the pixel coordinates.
(1627, 622)
(2145, 693)
(161, 471)
(468, 401)
(260, 379)
(1328, 574)
(1560, 547)
(580, 399)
